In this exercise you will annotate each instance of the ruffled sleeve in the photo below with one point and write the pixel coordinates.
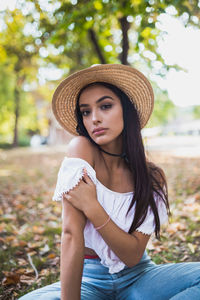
(148, 226)
(69, 175)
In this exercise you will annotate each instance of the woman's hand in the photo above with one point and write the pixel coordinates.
(83, 196)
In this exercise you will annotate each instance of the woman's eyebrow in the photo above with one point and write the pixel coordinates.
(99, 100)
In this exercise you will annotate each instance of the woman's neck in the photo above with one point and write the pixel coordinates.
(112, 163)
(122, 155)
(113, 154)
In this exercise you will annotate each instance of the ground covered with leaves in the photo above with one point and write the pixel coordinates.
(30, 222)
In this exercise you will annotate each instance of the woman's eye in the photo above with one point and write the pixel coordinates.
(106, 106)
(84, 113)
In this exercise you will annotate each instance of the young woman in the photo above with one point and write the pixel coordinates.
(113, 199)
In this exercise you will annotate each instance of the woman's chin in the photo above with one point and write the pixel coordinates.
(101, 140)
(104, 139)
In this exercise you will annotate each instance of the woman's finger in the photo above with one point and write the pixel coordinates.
(66, 196)
(86, 176)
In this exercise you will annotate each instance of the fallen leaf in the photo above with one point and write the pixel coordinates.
(37, 229)
(22, 261)
(51, 255)
(35, 245)
(192, 247)
(10, 278)
(45, 249)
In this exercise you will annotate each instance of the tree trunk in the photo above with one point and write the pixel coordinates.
(17, 100)
(125, 25)
(96, 46)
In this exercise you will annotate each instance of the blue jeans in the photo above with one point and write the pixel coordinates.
(145, 281)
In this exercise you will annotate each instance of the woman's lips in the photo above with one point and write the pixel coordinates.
(99, 132)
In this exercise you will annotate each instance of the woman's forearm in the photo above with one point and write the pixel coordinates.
(71, 268)
(124, 245)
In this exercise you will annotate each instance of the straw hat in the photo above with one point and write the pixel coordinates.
(129, 80)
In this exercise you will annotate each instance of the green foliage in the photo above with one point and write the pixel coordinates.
(70, 26)
(196, 112)
(6, 99)
(18, 67)
(164, 109)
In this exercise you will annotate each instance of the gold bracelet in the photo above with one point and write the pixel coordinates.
(97, 228)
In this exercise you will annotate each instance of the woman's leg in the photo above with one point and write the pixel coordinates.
(53, 292)
(179, 281)
(96, 285)
(96, 281)
(48, 292)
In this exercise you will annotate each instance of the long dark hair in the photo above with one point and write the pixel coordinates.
(148, 178)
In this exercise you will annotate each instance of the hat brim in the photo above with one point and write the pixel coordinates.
(132, 82)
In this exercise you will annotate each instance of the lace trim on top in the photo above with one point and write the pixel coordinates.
(70, 175)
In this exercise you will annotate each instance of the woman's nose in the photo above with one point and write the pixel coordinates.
(96, 117)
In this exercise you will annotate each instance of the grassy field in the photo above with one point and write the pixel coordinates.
(30, 222)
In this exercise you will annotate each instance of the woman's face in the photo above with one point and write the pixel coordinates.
(101, 110)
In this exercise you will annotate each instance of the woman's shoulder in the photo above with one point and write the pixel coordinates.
(81, 147)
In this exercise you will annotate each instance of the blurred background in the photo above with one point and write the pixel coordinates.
(43, 41)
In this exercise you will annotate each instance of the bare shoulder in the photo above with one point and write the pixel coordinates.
(81, 147)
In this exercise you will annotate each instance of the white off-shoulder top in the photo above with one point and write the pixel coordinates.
(115, 204)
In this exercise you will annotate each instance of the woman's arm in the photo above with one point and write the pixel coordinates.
(72, 240)
(72, 252)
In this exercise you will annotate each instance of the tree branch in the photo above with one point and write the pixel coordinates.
(96, 46)
(125, 25)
